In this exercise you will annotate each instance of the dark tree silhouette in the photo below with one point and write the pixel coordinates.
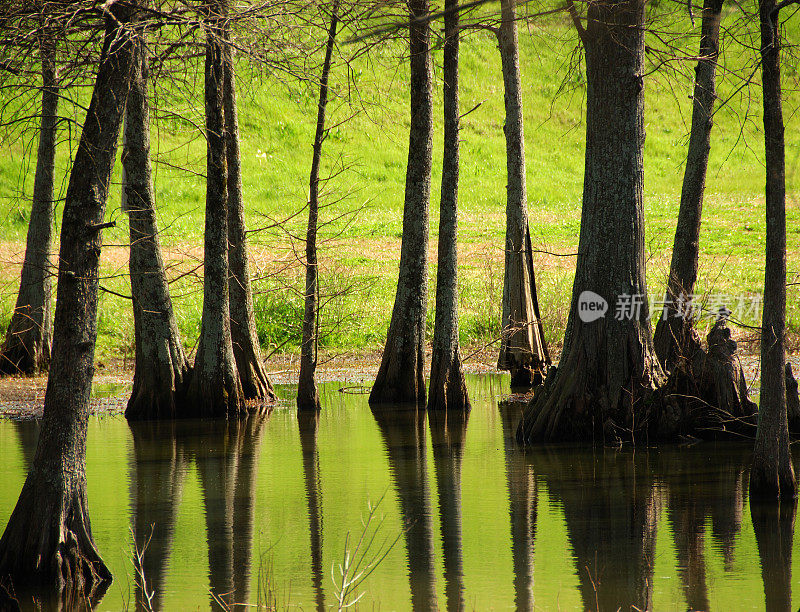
(214, 389)
(608, 369)
(161, 368)
(307, 393)
(773, 523)
(448, 433)
(26, 349)
(403, 430)
(47, 544)
(401, 376)
(772, 475)
(674, 335)
(448, 389)
(522, 346)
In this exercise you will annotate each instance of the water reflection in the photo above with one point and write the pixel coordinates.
(28, 435)
(403, 430)
(308, 421)
(773, 524)
(226, 456)
(448, 431)
(523, 497)
(611, 508)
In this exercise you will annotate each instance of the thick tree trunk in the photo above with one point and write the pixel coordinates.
(308, 421)
(161, 365)
(26, 349)
(256, 385)
(772, 475)
(47, 544)
(215, 389)
(608, 369)
(674, 333)
(307, 393)
(401, 376)
(448, 390)
(448, 432)
(522, 346)
(403, 432)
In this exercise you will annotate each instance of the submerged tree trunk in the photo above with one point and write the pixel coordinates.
(772, 475)
(608, 368)
(401, 376)
(215, 389)
(26, 349)
(522, 345)
(674, 336)
(448, 389)
(307, 393)
(47, 544)
(256, 385)
(161, 364)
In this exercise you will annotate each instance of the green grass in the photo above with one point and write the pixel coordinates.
(277, 122)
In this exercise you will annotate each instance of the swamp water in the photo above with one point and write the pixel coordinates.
(235, 510)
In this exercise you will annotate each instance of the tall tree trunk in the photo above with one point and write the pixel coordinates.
(772, 475)
(307, 393)
(674, 335)
(215, 389)
(608, 368)
(26, 349)
(522, 345)
(401, 376)
(47, 543)
(161, 365)
(448, 389)
(256, 385)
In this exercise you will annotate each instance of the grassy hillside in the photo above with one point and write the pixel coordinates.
(360, 258)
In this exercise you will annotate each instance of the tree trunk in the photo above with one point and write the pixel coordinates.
(674, 332)
(307, 393)
(26, 349)
(448, 389)
(47, 543)
(522, 345)
(772, 475)
(401, 376)
(256, 385)
(161, 365)
(215, 389)
(608, 369)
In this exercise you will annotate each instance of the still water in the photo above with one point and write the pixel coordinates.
(232, 511)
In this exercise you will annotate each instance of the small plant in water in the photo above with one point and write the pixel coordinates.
(357, 564)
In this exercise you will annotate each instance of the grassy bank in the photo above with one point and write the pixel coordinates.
(359, 260)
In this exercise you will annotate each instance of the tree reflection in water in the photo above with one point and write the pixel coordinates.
(403, 430)
(308, 421)
(773, 523)
(523, 500)
(226, 455)
(448, 431)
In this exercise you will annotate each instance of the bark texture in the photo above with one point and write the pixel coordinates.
(215, 389)
(307, 393)
(448, 390)
(522, 346)
(608, 371)
(161, 368)
(674, 334)
(772, 475)
(47, 544)
(401, 376)
(256, 385)
(26, 349)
